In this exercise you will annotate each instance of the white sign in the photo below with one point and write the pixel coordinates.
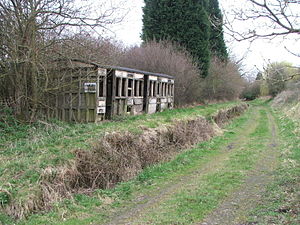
(89, 87)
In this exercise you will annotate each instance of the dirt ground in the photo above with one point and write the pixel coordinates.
(233, 210)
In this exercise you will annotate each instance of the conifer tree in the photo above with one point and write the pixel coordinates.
(182, 21)
(217, 43)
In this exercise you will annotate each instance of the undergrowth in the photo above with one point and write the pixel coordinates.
(97, 207)
(28, 151)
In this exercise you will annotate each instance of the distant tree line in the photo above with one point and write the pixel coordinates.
(275, 78)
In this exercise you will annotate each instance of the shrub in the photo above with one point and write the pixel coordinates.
(277, 74)
(290, 95)
(224, 81)
(168, 58)
(85, 47)
(251, 91)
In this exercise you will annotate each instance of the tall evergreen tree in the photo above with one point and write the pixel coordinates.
(217, 43)
(183, 21)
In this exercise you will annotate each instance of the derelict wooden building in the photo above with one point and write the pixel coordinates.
(88, 92)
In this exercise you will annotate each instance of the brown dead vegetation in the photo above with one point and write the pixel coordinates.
(224, 116)
(121, 156)
(118, 157)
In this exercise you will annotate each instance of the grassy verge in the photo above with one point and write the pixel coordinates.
(201, 197)
(98, 207)
(281, 201)
(25, 153)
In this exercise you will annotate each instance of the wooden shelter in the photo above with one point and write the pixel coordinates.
(88, 92)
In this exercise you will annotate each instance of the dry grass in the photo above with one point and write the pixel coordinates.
(117, 157)
(289, 100)
(121, 156)
(224, 116)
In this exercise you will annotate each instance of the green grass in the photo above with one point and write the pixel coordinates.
(193, 203)
(27, 151)
(280, 203)
(97, 208)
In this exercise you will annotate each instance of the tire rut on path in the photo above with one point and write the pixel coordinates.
(145, 204)
(233, 210)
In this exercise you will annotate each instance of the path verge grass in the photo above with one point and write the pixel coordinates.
(202, 195)
(281, 201)
(24, 157)
(102, 204)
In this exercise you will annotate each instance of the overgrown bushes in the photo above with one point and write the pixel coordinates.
(165, 57)
(223, 82)
(251, 91)
(10, 127)
(287, 97)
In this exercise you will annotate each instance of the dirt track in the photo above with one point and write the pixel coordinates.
(233, 209)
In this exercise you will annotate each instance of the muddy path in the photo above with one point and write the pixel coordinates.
(233, 209)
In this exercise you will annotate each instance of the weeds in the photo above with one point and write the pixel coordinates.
(55, 173)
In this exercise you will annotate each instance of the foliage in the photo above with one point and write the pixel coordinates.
(252, 90)
(288, 96)
(185, 22)
(216, 40)
(10, 127)
(277, 74)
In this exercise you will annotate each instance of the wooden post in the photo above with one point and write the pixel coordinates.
(126, 87)
(71, 100)
(79, 98)
(120, 87)
(137, 88)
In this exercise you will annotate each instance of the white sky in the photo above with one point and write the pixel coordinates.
(258, 54)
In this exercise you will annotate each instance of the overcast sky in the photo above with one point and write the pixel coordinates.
(256, 54)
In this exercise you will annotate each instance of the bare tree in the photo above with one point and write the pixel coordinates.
(169, 58)
(266, 19)
(28, 30)
(277, 75)
(224, 81)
